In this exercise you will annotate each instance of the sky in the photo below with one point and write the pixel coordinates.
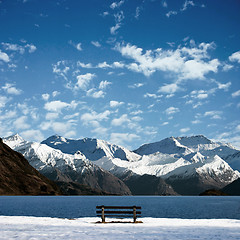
(127, 71)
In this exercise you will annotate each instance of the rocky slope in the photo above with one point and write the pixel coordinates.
(18, 177)
(62, 167)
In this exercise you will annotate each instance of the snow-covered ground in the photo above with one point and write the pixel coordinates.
(15, 227)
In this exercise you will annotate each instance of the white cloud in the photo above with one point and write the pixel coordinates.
(164, 4)
(170, 13)
(104, 14)
(136, 85)
(28, 110)
(236, 94)
(96, 43)
(227, 67)
(116, 4)
(62, 127)
(93, 116)
(84, 65)
(184, 130)
(224, 86)
(45, 125)
(169, 88)
(231, 136)
(118, 20)
(113, 65)
(196, 121)
(152, 95)
(21, 49)
(71, 116)
(45, 96)
(13, 47)
(164, 123)
(52, 115)
(100, 131)
(104, 84)
(238, 128)
(122, 138)
(103, 65)
(120, 121)
(31, 48)
(194, 69)
(84, 80)
(56, 106)
(114, 104)
(61, 69)
(113, 29)
(55, 93)
(171, 110)
(186, 4)
(213, 114)
(21, 123)
(4, 57)
(201, 94)
(33, 135)
(8, 114)
(117, 65)
(10, 89)
(78, 46)
(235, 57)
(186, 63)
(136, 112)
(137, 14)
(95, 94)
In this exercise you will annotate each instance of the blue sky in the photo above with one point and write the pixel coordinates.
(126, 71)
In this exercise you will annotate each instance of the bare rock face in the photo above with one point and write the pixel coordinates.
(148, 185)
(233, 188)
(18, 177)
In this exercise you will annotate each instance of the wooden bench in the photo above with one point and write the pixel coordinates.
(119, 212)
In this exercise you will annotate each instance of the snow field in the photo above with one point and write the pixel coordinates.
(18, 227)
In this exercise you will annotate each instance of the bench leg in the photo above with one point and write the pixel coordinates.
(134, 215)
(103, 216)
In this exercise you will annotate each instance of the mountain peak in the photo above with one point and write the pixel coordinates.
(169, 145)
(14, 141)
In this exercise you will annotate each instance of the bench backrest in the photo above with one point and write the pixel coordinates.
(118, 212)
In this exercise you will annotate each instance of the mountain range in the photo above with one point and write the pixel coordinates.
(181, 165)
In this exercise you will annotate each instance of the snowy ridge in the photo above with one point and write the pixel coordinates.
(181, 158)
(41, 156)
(15, 142)
(168, 146)
(93, 149)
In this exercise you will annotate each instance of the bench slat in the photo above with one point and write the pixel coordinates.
(118, 207)
(118, 216)
(118, 212)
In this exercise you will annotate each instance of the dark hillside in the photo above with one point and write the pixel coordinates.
(18, 177)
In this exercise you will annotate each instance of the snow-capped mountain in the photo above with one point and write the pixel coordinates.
(59, 166)
(189, 164)
(172, 159)
(93, 149)
(167, 146)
